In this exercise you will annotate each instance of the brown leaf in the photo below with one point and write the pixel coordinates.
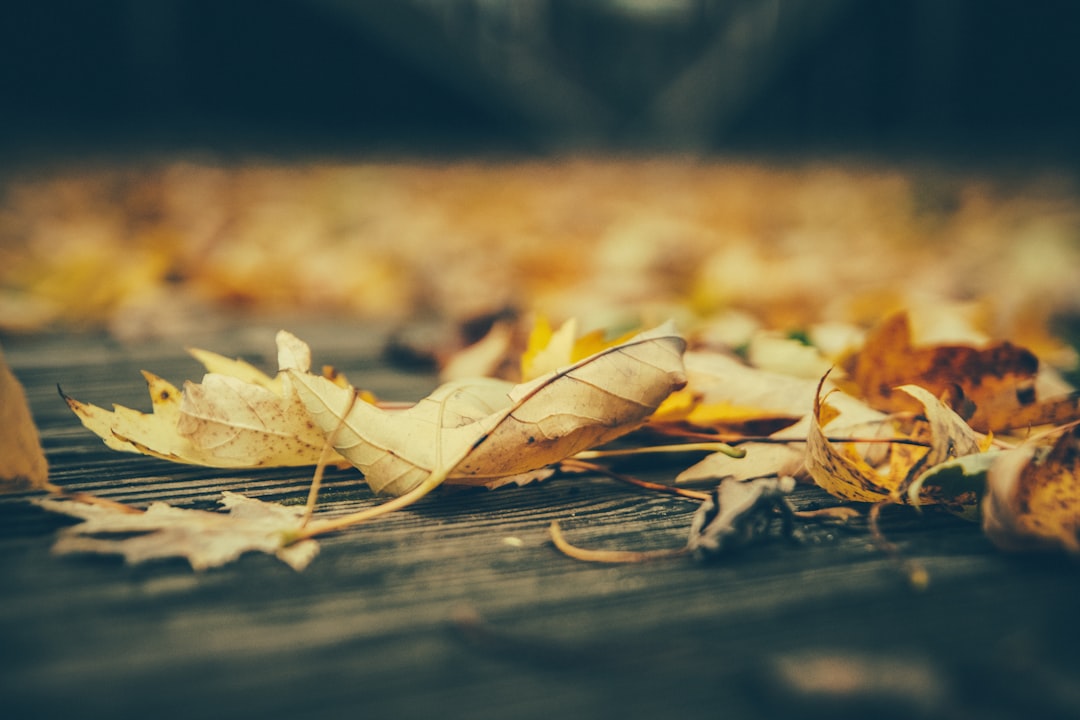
(985, 386)
(1033, 499)
(22, 462)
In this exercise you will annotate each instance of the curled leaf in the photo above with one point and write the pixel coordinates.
(724, 382)
(738, 514)
(960, 484)
(859, 472)
(1033, 497)
(476, 432)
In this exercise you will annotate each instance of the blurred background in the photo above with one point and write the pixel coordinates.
(967, 78)
(800, 160)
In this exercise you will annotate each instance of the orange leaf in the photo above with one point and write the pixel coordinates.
(985, 386)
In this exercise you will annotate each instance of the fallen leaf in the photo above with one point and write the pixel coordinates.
(1033, 498)
(722, 381)
(206, 539)
(237, 417)
(960, 483)
(738, 514)
(863, 472)
(986, 386)
(478, 431)
(22, 461)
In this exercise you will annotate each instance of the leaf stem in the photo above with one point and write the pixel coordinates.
(575, 464)
(324, 458)
(322, 527)
(772, 440)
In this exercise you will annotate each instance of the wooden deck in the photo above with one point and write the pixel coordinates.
(460, 607)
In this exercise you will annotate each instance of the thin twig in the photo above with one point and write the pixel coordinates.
(660, 449)
(773, 440)
(609, 556)
(575, 464)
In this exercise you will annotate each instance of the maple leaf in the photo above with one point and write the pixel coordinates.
(1033, 498)
(206, 539)
(237, 417)
(475, 432)
(22, 462)
(862, 475)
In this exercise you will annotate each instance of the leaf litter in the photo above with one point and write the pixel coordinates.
(577, 394)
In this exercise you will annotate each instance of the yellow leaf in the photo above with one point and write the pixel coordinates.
(475, 432)
(241, 419)
(862, 473)
(547, 351)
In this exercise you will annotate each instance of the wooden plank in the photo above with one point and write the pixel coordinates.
(459, 607)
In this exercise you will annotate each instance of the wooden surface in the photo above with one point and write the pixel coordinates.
(460, 607)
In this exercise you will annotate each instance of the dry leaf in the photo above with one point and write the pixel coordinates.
(1033, 498)
(986, 386)
(237, 417)
(22, 462)
(206, 539)
(478, 431)
(738, 514)
(728, 387)
(858, 472)
(959, 484)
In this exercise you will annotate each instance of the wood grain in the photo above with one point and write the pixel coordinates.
(459, 606)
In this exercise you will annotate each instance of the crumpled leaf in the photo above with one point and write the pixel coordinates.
(479, 431)
(992, 388)
(22, 461)
(237, 417)
(206, 539)
(739, 513)
(859, 472)
(1033, 498)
